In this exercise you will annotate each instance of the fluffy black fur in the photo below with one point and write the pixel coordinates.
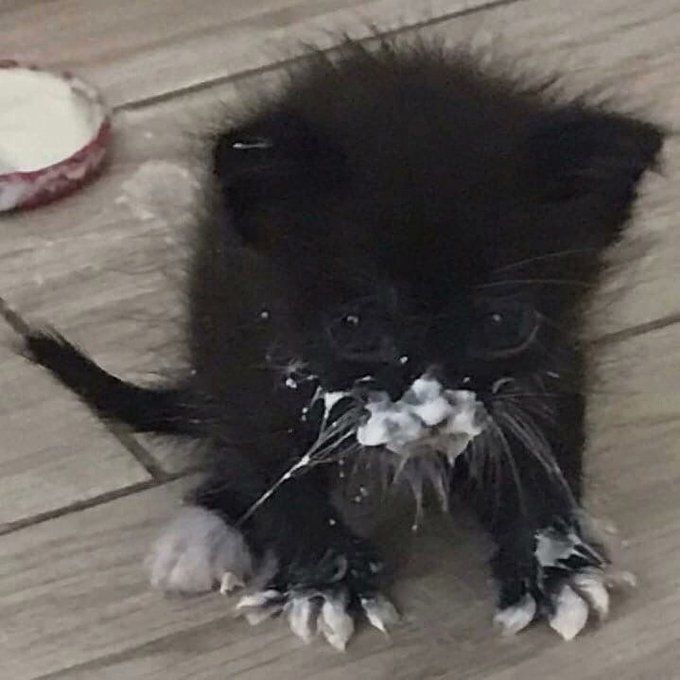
(393, 212)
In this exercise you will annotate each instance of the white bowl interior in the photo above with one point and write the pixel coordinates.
(44, 119)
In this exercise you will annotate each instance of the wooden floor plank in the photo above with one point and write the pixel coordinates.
(139, 50)
(91, 615)
(53, 453)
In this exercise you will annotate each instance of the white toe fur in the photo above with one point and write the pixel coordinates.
(335, 623)
(516, 618)
(196, 552)
(586, 588)
(263, 598)
(315, 613)
(571, 613)
(302, 618)
(380, 612)
(592, 588)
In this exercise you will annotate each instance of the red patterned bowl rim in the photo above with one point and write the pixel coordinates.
(92, 95)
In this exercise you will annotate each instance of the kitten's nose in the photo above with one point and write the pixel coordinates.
(452, 379)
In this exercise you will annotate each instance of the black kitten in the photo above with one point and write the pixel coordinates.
(394, 269)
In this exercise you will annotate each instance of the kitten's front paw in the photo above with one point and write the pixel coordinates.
(197, 552)
(569, 581)
(328, 612)
(324, 598)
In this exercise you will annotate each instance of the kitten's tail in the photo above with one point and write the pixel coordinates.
(145, 409)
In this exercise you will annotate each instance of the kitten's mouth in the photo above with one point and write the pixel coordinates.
(427, 418)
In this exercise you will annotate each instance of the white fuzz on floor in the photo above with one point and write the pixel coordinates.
(198, 551)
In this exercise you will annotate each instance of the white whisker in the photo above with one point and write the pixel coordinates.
(541, 258)
(524, 429)
(510, 459)
(330, 439)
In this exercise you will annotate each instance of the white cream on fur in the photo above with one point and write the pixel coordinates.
(425, 417)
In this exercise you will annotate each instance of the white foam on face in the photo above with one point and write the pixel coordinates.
(406, 425)
(42, 120)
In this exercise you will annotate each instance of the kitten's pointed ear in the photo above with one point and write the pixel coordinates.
(580, 152)
(260, 167)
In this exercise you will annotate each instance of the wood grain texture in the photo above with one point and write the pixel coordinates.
(139, 50)
(53, 453)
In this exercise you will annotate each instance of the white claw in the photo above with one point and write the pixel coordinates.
(380, 612)
(571, 613)
(230, 582)
(335, 623)
(257, 616)
(301, 618)
(591, 587)
(259, 606)
(257, 599)
(514, 619)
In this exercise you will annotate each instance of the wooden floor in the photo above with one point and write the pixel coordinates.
(79, 503)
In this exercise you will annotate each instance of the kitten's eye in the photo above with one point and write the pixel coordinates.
(362, 335)
(503, 328)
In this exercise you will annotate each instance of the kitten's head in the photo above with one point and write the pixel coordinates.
(430, 221)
